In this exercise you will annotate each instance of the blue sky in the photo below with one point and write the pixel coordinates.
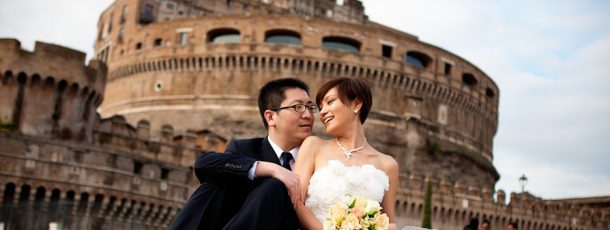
(550, 60)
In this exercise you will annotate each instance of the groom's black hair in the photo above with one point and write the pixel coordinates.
(272, 94)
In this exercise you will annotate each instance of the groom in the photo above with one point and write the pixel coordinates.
(245, 187)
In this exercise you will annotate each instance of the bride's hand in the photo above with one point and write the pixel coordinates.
(392, 226)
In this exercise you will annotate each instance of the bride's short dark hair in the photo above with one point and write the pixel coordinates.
(349, 89)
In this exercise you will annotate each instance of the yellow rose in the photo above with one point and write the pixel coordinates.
(351, 222)
(360, 203)
(381, 221)
(365, 223)
(337, 212)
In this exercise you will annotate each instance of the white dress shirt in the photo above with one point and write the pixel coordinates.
(278, 152)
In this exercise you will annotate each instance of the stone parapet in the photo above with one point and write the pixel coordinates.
(454, 208)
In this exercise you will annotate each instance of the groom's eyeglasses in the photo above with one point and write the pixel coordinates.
(299, 108)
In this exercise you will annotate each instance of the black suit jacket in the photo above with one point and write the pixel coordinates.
(224, 184)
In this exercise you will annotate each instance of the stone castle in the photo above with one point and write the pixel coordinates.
(172, 78)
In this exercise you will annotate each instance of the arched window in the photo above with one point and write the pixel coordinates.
(9, 193)
(341, 44)
(418, 59)
(223, 35)
(286, 37)
(469, 79)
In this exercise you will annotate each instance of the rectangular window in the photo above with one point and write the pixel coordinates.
(158, 42)
(119, 37)
(386, 51)
(110, 22)
(147, 16)
(164, 173)
(447, 68)
(183, 38)
(123, 14)
(137, 167)
(169, 6)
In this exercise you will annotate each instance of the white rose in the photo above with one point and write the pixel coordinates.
(372, 207)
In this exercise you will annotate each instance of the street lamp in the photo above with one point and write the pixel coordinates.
(523, 182)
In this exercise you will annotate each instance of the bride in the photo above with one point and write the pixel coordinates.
(329, 169)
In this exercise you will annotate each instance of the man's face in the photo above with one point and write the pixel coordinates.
(290, 125)
(485, 226)
(510, 227)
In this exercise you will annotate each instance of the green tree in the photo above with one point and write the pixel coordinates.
(427, 221)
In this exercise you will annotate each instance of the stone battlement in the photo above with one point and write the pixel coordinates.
(54, 61)
(49, 92)
(164, 146)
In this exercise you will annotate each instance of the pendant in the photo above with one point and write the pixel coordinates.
(348, 152)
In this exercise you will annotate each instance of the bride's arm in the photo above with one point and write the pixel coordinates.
(389, 199)
(304, 167)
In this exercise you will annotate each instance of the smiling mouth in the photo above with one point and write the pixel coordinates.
(328, 119)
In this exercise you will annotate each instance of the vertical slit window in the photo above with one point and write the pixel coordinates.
(183, 38)
(164, 173)
(386, 51)
(448, 68)
(137, 167)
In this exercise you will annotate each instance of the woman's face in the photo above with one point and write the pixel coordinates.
(334, 113)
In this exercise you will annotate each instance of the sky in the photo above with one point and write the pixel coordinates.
(550, 59)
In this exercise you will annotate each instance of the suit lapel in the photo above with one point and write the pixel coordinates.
(267, 153)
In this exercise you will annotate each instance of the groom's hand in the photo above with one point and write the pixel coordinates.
(290, 179)
(292, 182)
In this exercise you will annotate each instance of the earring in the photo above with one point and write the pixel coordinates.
(355, 111)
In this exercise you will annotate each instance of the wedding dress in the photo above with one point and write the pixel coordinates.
(327, 185)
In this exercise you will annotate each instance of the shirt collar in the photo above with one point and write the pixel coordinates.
(278, 151)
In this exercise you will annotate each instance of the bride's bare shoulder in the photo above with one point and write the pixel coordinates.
(312, 145)
(312, 141)
(388, 162)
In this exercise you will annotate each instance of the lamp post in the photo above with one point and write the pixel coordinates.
(523, 182)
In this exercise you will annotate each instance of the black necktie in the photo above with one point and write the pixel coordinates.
(286, 157)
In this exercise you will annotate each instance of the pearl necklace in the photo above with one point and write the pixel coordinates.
(348, 152)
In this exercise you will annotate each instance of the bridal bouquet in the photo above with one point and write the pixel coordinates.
(352, 213)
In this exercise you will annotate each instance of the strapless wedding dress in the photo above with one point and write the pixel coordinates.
(327, 185)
